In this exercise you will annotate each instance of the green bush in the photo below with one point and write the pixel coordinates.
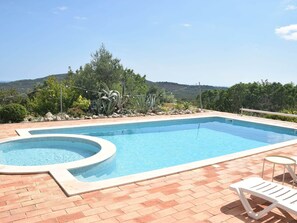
(75, 112)
(178, 106)
(13, 113)
(283, 118)
(186, 105)
(82, 103)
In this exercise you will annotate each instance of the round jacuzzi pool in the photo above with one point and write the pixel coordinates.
(43, 152)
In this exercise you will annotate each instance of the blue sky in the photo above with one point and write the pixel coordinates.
(213, 42)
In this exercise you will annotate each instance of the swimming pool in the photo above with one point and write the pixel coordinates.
(45, 151)
(42, 153)
(150, 146)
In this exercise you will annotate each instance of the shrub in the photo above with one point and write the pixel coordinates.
(75, 112)
(179, 106)
(13, 113)
(283, 118)
(82, 103)
(186, 105)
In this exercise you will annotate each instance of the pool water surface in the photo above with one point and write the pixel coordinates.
(149, 146)
(44, 151)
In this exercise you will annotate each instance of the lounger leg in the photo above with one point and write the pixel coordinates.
(292, 172)
(249, 210)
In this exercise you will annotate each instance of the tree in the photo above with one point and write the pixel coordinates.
(47, 97)
(103, 72)
(12, 96)
(107, 68)
(262, 95)
(106, 73)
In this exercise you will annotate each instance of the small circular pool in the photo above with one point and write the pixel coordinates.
(42, 152)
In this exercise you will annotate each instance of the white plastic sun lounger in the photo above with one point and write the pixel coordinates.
(279, 195)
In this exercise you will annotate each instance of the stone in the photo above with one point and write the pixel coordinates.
(48, 115)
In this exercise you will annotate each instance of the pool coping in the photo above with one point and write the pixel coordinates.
(72, 186)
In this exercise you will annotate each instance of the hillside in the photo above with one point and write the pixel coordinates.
(27, 85)
(180, 91)
(183, 91)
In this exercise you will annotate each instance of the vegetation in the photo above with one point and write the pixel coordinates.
(102, 86)
(26, 86)
(264, 95)
(12, 113)
(179, 91)
(183, 92)
(75, 112)
(82, 103)
(105, 86)
(108, 101)
(12, 96)
(47, 97)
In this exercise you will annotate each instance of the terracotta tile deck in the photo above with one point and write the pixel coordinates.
(199, 195)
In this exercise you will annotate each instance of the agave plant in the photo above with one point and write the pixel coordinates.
(145, 103)
(108, 101)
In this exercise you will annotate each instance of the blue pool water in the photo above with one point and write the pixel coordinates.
(149, 146)
(44, 151)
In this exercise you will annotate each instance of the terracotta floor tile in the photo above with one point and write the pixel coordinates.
(88, 219)
(183, 214)
(199, 195)
(129, 216)
(167, 219)
(12, 218)
(29, 220)
(70, 217)
(165, 212)
(53, 214)
(117, 205)
(145, 219)
(183, 206)
(111, 214)
(94, 211)
(202, 216)
(168, 204)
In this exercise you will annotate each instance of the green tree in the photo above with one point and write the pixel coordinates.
(103, 72)
(47, 97)
(12, 96)
(262, 95)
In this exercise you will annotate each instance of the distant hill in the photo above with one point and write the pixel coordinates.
(180, 91)
(183, 91)
(27, 85)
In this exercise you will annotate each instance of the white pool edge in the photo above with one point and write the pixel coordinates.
(72, 186)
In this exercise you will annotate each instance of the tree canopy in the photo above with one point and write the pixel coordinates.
(264, 95)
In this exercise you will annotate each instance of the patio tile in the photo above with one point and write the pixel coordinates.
(70, 217)
(199, 195)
